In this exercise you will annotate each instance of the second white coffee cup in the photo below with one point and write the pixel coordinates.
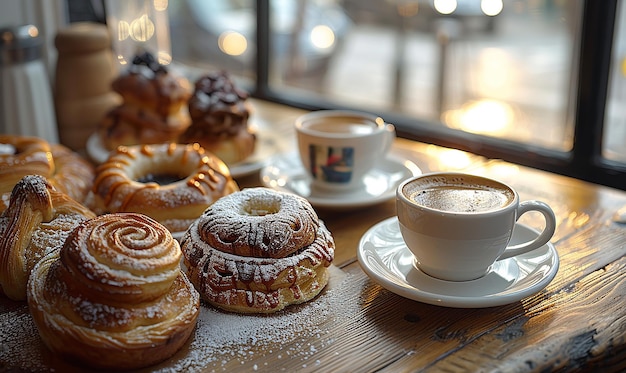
(457, 225)
(339, 147)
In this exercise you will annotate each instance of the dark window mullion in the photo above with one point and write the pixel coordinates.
(594, 69)
(263, 42)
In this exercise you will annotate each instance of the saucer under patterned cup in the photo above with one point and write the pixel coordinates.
(285, 172)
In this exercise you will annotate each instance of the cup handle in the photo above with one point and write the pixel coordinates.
(542, 239)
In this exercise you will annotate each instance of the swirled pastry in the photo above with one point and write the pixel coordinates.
(114, 297)
(172, 183)
(67, 171)
(258, 250)
(219, 118)
(37, 221)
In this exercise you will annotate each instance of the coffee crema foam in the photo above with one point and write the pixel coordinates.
(460, 197)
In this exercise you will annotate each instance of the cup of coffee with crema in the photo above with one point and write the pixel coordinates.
(338, 147)
(457, 225)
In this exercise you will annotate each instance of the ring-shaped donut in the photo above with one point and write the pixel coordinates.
(259, 222)
(124, 183)
(257, 285)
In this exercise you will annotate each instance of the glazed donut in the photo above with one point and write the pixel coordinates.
(126, 182)
(36, 222)
(24, 155)
(114, 297)
(259, 222)
(249, 284)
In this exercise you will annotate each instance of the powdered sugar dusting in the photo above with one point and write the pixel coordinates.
(220, 341)
(223, 337)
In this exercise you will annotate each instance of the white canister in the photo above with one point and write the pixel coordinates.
(26, 106)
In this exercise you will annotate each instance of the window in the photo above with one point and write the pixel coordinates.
(538, 83)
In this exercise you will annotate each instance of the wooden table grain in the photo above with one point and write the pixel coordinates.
(577, 323)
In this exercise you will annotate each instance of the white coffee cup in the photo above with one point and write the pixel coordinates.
(457, 225)
(339, 147)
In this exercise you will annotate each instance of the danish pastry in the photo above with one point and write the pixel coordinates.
(258, 251)
(37, 221)
(114, 297)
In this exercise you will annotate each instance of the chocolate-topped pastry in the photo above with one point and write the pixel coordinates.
(219, 113)
(154, 108)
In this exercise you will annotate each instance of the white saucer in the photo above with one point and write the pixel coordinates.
(266, 147)
(287, 174)
(386, 259)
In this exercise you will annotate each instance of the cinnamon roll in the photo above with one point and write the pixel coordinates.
(114, 297)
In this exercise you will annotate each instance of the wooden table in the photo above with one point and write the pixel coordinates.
(578, 322)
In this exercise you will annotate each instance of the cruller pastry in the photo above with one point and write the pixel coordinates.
(114, 297)
(37, 221)
(258, 251)
(171, 183)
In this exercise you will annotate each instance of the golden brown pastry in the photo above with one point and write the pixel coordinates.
(258, 251)
(66, 170)
(219, 119)
(37, 221)
(172, 183)
(127, 125)
(114, 297)
(154, 108)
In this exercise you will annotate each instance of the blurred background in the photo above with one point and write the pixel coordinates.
(537, 82)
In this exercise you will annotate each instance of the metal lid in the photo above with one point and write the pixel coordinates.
(19, 44)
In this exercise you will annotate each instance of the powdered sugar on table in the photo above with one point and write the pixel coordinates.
(220, 339)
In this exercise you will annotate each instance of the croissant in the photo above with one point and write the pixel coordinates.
(114, 297)
(36, 222)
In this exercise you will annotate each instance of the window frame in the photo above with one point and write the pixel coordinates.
(584, 161)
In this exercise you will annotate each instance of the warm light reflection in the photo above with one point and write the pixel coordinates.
(496, 72)
(121, 59)
(500, 171)
(33, 31)
(123, 30)
(491, 7)
(322, 36)
(454, 159)
(164, 58)
(578, 219)
(142, 29)
(482, 116)
(445, 6)
(160, 5)
(232, 43)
